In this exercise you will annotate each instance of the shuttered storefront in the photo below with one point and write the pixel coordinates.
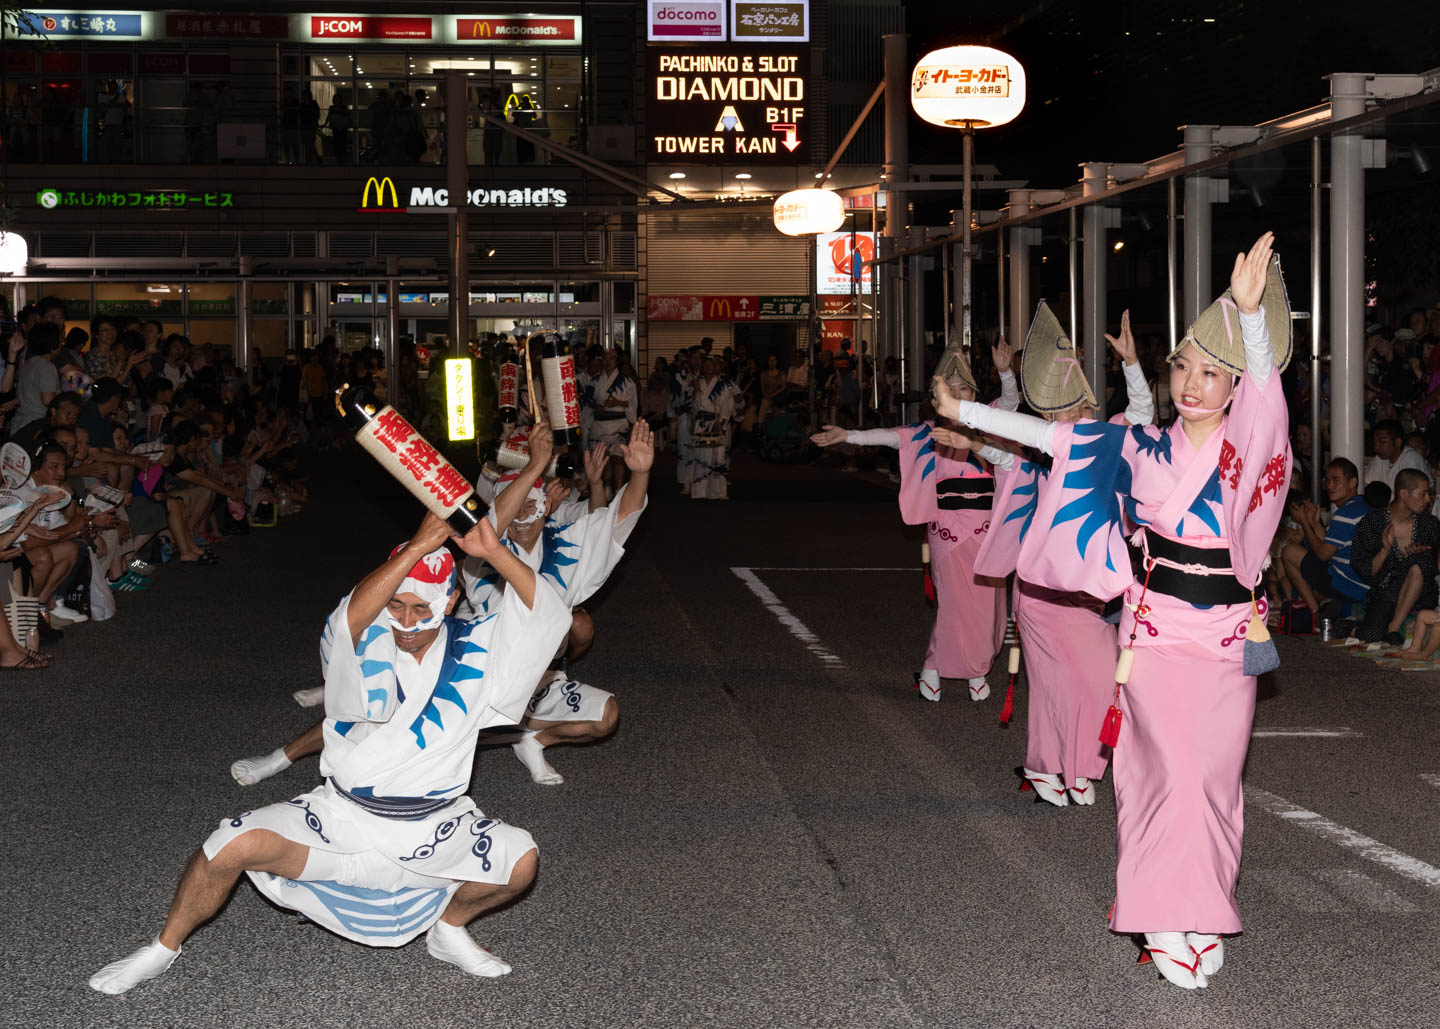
(726, 253)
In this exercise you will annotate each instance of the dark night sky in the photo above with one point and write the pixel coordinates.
(1112, 82)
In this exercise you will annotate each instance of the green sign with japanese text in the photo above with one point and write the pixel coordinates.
(794, 308)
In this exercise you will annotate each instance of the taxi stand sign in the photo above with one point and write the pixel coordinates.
(460, 397)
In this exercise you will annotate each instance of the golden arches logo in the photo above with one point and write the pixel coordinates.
(380, 185)
(481, 30)
(721, 307)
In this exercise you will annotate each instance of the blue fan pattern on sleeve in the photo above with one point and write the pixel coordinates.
(1101, 480)
(927, 449)
(1205, 505)
(1030, 491)
(455, 669)
(556, 555)
(1156, 448)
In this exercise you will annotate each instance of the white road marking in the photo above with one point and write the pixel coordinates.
(1335, 733)
(797, 628)
(1372, 850)
(777, 568)
(1431, 779)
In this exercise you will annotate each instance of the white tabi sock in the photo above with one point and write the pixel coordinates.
(148, 962)
(453, 944)
(250, 770)
(930, 685)
(1083, 792)
(1173, 960)
(1047, 787)
(1209, 949)
(979, 688)
(313, 697)
(532, 755)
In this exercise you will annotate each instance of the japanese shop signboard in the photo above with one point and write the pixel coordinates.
(700, 21)
(518, 28)
(714, 105)
(770, 22)
(369, 28)
(83, 23)
(195, 25)
(840, 257)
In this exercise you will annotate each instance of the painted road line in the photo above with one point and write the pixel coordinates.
(1358, 843)
(1431, 779)
(777, 568)
(1338, 732)
(796, 628)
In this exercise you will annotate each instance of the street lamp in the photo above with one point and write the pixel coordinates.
(14, 253)
(968, 88)
(808, 212)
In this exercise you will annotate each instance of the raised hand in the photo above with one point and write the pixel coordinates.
(639, 453)
(432, 532)
(480, 541)
(542, 443)
(1124, 345)
(946, 405)
(596, 458)
(1003, 354)
(828, 436)
(555, 491)
(1247, 278)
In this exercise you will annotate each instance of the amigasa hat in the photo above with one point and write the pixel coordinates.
(1217, 331)
(1050, 374)
(952, 364)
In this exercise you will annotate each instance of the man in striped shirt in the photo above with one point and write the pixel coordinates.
(1320, 566)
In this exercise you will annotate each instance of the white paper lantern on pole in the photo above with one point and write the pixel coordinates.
(14, 253)
(977, 86)
(807, 212)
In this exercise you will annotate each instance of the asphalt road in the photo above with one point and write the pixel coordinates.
(780, 834)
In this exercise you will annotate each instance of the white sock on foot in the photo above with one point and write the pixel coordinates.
(250, 770)
(1209, 948)
(532, 755)
(1083, 792)
(1172, 958)
(1047, 787)
(930, 685)
(146, 963)
(453, 944)
(313, 697)
(979, 688)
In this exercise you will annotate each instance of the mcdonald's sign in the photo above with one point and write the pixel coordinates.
(381, 186)
(518, 29)
(732, 309)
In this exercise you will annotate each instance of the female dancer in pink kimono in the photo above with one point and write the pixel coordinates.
(1208, 493)
(950, 491)
(1068, 644)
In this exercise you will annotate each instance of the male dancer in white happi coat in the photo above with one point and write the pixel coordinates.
(575, 554)
(391, 845)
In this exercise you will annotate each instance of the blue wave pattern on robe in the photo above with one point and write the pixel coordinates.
(1101, 480)
(459, 666)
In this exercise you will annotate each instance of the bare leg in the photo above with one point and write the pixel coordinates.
(1409, 594)
(582, 635)
(1291, 557)
(62, 561)
(179, 531)
(206, 884)
(1424, 642)
(311, 741)
(551, 733)
(474, 899)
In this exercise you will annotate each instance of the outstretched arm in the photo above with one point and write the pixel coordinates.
(639, 455)
(1024, 429)
(508, 504)
(1247, 286)
(483, 542)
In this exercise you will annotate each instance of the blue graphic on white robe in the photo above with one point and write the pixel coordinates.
(1157, 447)
(454, 670)
(1104, 476)
(1030, 492)
(1205, 505)
(362, 913)
(556, 557)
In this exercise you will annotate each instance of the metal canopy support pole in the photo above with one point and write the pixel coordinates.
(1094, 352)
(948, 267)
(1074, 283)
(1199, 142)
(1171, 217)
(905, 339)
(1347, 273)
(1000, 284)
(457, 178)
(245, 307)
(1317, 207)
(915, 307)
(1020, 239)
(392, 314)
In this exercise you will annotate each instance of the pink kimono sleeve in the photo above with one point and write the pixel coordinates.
(918, 461)
(1015, 500)
(1255, 463)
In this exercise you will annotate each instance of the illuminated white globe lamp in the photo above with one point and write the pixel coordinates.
(808, 212)
(975, 86)
(14, 253)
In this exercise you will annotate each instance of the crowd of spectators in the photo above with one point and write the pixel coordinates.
(127, 448)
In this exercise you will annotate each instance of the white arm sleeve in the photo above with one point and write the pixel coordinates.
(1024, 429)
(999, 458)
(1141, 405)
(1259, 355)
(1009, 392)
(874, 438)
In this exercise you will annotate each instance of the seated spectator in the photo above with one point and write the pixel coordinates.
(1393, 552)
(1392, 455)
(39, 379)
(13, 654)
(107, 397)
(1319, 565)
(57, 540)
(159, 391)
(63, 413)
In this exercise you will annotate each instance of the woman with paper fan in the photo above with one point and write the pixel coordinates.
(951, 491)
(1208, 493)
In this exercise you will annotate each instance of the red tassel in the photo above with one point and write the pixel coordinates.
(1110, 731)
(929, 586)
(1009, 707)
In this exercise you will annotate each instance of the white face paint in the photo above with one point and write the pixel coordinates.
(431, 580)
(537, 497)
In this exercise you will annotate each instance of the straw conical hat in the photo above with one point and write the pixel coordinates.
(952, 364)
(1050, 374)
(1217, 331)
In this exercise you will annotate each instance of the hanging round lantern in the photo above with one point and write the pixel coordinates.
(976, 86)
(14, 253)
(806, 212)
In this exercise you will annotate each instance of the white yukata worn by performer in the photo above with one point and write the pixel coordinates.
(575, 558)
(391, 846)
(682, 400)
(712, 425)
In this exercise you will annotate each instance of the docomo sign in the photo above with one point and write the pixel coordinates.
(698, 20)
(330, 26)
(804, 212)
(977, 86)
